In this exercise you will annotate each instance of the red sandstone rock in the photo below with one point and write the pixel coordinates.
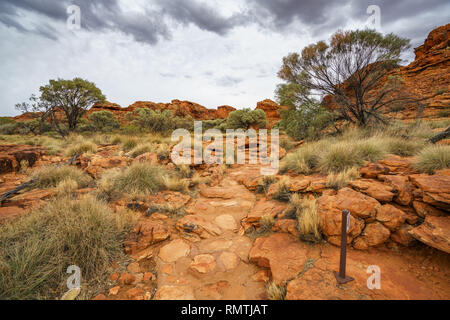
(435, 232)
(374, 234)
(391, 217)
(282, 253)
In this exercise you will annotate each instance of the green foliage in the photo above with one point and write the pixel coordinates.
(158, 121)
(244, 119)
(71, 98)
(104, 121)
(360, 58)
(6, 120)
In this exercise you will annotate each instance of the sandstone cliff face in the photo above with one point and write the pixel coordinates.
(177, 107)
(424, 78)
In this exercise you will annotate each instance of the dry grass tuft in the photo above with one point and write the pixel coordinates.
(51, 176)
(275, 292)
(36, 249)
(341, 179)
(433, 158)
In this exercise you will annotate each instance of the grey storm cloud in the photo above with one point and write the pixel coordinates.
(152, 22)
(228, 81)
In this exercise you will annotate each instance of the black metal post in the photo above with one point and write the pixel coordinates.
(341, 277)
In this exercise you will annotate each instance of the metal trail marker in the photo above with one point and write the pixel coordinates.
(340, 276)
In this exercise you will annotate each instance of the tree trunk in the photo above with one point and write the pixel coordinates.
(443, 135)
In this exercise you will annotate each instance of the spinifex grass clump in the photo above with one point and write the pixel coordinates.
(36, 249)
(433, 158)
(51, 176)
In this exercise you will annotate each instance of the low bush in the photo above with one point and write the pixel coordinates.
(433, 158)
(80, 148)
(37, 249)
(51, 176)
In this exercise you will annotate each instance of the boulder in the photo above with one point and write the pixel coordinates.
(373, 170)
(174, 250)
(402, 187)
(403, 236)
(435, 232)
(284, 254)
(391, 217)
(374, 234)
(174, 293)
(423, 210)
(265, 207)
(203, 263)
(373, 188)
(435, 189)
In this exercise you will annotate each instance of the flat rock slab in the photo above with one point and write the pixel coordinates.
(435, 232)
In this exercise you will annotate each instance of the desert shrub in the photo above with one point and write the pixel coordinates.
(214, 124)
(404, 147)
(80, 148)
(128, 143)
(433, 158)
(264, 183)
(175, 183)
(339, 157)
(104, 121)
(275, 292)
(282, 192)
(158, 121)
(307, 217)
(140, 178)
(444, 113)
(36, 249)
(303, 160)
(9, 128)
(442, 124)
(341, 179)
(66, 187)
(245, 118)
(142, 148)
(286, 143)
(370, 150)
(305, 122)
(51, 176)
(266, 222)
(184, 170)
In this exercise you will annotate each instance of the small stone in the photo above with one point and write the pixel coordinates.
(167, 269)
(174, 250)
(126, 278)
(147, 276)
(100, 297)
(262, 276)
(226, 222)
(203, 263)
(114, 291)
(135, 294)
(229, 260)
(134, 267)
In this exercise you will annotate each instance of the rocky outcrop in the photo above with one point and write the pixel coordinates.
(11, 156)
(272, 111)
(177, 107)
(435, 232)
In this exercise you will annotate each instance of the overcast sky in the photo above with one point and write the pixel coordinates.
(213, 52)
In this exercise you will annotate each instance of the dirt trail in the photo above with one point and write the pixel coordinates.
(208, 257)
